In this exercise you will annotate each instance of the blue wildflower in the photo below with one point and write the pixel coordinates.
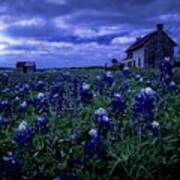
(86, 93)
(40, 85)
(24, 134)
(126, 71)
(118, 103)
(93, 145)
(40, 103)
(11, 165)
(172, 87)
(41, 124)
(145, 104)
(109, 78)
(105, 123)
(5, 107)
(93, 133)
(57, 89)
(155, 128)
(138, 78)
(17, 100)
(148, 83)
(144, 107)
(166, 73)
(3, 121)
(99, 83)
(99, 113)
(124, 88)
(23, 107)
(40, 96)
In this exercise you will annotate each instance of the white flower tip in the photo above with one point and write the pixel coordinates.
(93, 133)
(85, 86)
(125, 68)
(149, 91)
(24, 104)
(173, 83)
(109, 74)
(106, 119)
(117, 95)
(100, 111)
(23, 126)
(98, 77)
(155, 124)
(40, 95)
(167, 59)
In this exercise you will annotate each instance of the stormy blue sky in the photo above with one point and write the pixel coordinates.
(64, 33)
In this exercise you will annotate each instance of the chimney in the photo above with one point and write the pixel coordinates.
(160, 27)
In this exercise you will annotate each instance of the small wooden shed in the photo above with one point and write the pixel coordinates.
(26, 66)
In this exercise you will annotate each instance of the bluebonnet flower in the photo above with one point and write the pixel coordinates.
(109, 78)
(126, 71)
(93, 133)
(56, 101)
(5, 107)
(124, 88)
(145, 103)
(105, 123)
(40, 96)
(26, 87)
(23, 107)
(166, 73)
(17, 100)
(40, 103)
(11, 165)
(155, 128)
(99, 113)
(138, 78)
(57, 89)
(3, 121)
(99, 83)
(40, 85)
(6, 91)
(166, 67)
(93, 145)
(98, 78)
(86, 93)
(148, 83)
(102, 119)
(172, 87)
(23, 134)
(41, 124)
(144, 106)
(118, 103)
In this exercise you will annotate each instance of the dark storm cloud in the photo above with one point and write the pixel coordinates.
(78, 29)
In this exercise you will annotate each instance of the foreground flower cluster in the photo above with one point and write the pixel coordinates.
(69, 125)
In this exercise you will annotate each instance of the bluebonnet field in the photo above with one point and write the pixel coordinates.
(90, 124)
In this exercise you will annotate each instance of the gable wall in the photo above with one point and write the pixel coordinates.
(139, 55)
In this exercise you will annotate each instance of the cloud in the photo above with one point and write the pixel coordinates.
(122, 40)
(58, 2)
(79, 32)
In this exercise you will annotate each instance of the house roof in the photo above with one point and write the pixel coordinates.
(140, 42)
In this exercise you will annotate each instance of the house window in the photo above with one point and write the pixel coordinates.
(130, 55)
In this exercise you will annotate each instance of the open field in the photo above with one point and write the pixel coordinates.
(88, 124)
